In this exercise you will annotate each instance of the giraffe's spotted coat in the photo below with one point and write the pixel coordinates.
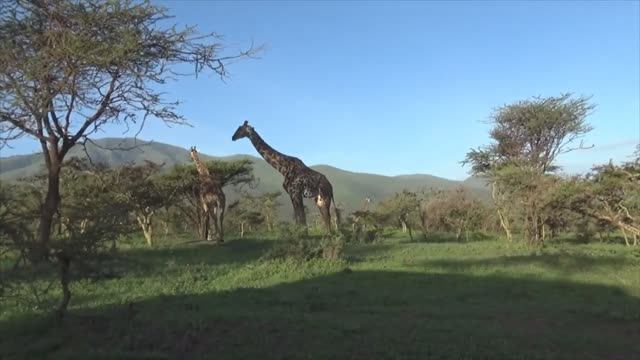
(300, 181)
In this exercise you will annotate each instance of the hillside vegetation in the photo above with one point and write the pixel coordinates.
(350, 188)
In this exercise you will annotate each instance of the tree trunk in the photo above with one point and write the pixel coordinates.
(632, 228)
(533, 225)
(423, 224)
(145, 222)
(50, 205)
(165, 229)
(626, 239)
(242, 230)
(65, 263)
(404, 226)
(504, 221)
(83, 225)
(425, 232)
(60, 224)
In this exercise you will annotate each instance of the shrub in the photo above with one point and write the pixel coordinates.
(87, 226)
(296, 243)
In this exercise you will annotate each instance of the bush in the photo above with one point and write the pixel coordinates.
(364, 227)
(88, 223)
(295, 243)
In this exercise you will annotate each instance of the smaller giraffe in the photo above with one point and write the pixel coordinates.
(212, 197)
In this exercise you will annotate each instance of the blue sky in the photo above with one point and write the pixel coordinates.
(399, 88)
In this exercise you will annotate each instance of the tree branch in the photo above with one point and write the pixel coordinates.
(104, 104)
(20, 126)
(55, 120)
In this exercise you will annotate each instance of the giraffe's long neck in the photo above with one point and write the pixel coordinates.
(202, 169)
(273, 157)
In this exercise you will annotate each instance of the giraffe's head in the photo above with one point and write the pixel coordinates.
(193, 153)
(244, 130)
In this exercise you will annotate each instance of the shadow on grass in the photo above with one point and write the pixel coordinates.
(354, 315)
(143, 261)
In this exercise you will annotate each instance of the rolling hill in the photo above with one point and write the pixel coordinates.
(350, 188)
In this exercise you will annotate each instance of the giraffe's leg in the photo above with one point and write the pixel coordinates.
(220, 218)
(325, 211)
(214, 217)
(298, 208)
(206, 231)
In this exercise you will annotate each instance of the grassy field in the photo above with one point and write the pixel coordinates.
(393, 299)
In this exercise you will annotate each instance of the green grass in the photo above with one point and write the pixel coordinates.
(393, 299)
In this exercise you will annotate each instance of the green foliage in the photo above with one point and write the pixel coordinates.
(140, 186)
(95, 210)
(366, 226)
(251, 211)
(609, 195)
(142, 194)
(18, 212)
(453, 211)
(527, 138)
(183, 178)
(93, 216)
(532, 133)
(401, 209)
(295, 243)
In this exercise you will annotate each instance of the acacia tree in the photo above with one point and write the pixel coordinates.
(528, 136)
(609, 195)
(243, 214)
(93, 215)
(143, 193)
(402, 207)
(267, 205)
(68, 68)
(454, 211)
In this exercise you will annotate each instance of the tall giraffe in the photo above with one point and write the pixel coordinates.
(299, 180)
(211, 197)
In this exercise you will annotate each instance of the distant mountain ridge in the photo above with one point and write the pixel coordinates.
(350, 188)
